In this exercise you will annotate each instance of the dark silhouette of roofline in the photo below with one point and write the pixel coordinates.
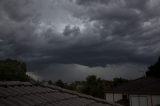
(9, 91)
(144, 85)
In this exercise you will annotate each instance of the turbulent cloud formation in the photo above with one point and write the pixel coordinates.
(95, 34)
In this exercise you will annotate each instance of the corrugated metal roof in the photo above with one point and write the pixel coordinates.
(148, 85)
(16, 93)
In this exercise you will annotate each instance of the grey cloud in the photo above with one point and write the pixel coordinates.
(68, 31)
(137, 4)
(89, 2)
(87, 32)
(17, 10)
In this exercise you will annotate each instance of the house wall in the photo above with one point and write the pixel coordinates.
(117, 97)
(139, 100)
(156, 100)
(135, 100)
(113, 97)
(144, 100)
(109, 97)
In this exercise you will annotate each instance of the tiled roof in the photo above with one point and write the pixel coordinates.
(148, 85)
(15, 93)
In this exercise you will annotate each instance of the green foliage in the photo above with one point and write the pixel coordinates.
(50, 82)
(13, 70)
(94, 86)
(91, 86)
(154, 70)
(60, 83)
(118, 81)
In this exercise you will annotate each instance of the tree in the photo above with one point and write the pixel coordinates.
(118, 81)
(60, 83)
(94, 86)
(50, 82)
(13, 70)
(154, 70)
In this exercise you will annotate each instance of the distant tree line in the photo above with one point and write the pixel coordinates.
(92, 85)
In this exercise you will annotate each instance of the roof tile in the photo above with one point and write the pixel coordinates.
(147, 85)
(16, 93)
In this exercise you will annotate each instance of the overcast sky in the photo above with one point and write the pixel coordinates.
(70, 39)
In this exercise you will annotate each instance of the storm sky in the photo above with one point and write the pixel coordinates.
(71, 39)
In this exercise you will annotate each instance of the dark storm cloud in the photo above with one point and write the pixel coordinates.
(125, 20)
(17, 10)
(68, 31)
(88, 2)
(88, 32)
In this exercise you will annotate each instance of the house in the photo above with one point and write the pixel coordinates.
(139, 92)
(17, 93)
